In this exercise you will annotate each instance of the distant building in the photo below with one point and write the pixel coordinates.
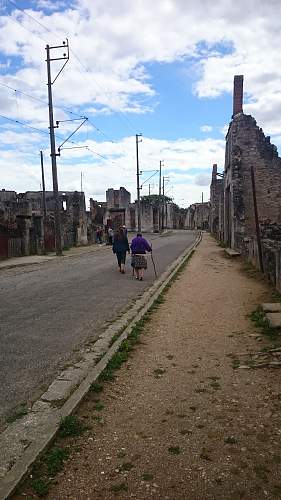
(197, 216)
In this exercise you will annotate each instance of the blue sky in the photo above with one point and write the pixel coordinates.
(163, 69)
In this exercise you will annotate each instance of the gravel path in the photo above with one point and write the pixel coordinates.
(180, 422)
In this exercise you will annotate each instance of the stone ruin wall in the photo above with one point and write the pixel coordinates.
(216, 203)
(249, 146)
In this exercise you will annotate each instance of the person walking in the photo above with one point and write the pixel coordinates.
(110, 235)
(139, 247)
(120, 247)
(99, 235)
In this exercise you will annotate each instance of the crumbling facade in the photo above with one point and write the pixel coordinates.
(197, 216)
(248, 149)
(252, 167)
(216, 204)
(21, 230)
(117, 203)
(24, 230)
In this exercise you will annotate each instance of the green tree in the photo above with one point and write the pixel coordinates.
(154, 199)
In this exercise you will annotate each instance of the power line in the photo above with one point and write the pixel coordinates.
(31, 17)
(24, 124)
(24, 27)
(37, 99)
(47, 133)
(120, 113)
(108, 93)
(72, 51)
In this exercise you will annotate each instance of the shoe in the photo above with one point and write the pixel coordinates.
(136, 277)
(122, 271)
(140, 279)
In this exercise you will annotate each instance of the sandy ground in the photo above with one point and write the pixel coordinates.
(180, 422)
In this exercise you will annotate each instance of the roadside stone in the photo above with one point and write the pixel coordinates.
(274, 319)
(58, 390)
(272, 307)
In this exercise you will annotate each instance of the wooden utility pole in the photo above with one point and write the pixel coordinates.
(256, 218)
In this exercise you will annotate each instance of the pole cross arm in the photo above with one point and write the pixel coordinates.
(74, 132)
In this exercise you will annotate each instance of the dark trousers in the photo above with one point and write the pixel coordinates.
(121, 258)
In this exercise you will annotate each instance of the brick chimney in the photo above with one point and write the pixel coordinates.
(238, 94)
(214, 173)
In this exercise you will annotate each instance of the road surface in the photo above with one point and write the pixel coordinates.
(48, 311)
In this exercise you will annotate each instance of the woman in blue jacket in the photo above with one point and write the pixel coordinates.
(139, 247)
(120, 247)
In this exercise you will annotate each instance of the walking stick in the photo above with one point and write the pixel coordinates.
(153, 263)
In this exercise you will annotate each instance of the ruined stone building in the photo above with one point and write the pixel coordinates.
(197, 216)
(246, 146)
(216, 204)
(249, 150)
(174, 216)
(72, 213)
(23, 229)
(118, 211)
(117, 203)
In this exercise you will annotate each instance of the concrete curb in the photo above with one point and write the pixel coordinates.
(24, 440)
(49, 258)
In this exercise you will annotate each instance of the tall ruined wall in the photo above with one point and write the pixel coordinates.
(124, 197)
(118, 198)
(201, 215)
(247, 145)
(216, 190)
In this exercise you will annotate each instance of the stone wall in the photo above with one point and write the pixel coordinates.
(21, 222)
(249, 150)
(246, 146)
(216, 202)
(198, 215)
(118, 198)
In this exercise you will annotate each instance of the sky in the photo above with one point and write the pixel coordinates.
(163, 69)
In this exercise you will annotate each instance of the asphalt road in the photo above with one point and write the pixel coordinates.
(48, 311)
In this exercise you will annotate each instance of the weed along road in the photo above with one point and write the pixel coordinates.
(48, 311)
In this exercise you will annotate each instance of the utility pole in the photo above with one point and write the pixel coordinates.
(43, 189)
(81, 182)
(160, 181)
(52, 138)
(43, 200)
(138, 181)
(202, 197)
(165, 178)
(148, 189)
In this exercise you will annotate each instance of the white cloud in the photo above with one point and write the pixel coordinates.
(115, 42)
(206, 128)
(225, 39)
(184, 159)
(202, 180)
